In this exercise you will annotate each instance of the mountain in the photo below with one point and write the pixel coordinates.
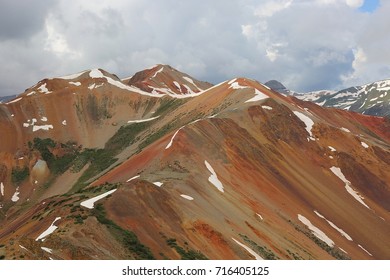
(5, 99)
(370, 99)
(162, 166)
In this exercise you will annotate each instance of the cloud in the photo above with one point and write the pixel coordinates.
(306, 44)
(355, 3)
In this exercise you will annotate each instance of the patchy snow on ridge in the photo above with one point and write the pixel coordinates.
(158, 71)
(192, 82)
(173, 137)
(337, 171)
(72, 76)
(249, 250)
(213, 179)
(15, 196)
(308, 122)
(15, 100)
(236, 85)
(364, 145)
(158, 184)
(77, 84)
(258, 96)
(90, 202)
(43, 127)
(49, 230)
(132, 178)
(44, 89)
(343, 233)
(316, 231)
(332, 149)
(361, 247)
(50, 251)
(187, 197)
(2, 189)
(267, 107)
(144, 120)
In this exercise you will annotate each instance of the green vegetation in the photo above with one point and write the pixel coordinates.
(186, 254)
(2, 257)
(19, 175)
(155, 136)
(333, 251)
(128, 238)
(262, 250)
(169, 104)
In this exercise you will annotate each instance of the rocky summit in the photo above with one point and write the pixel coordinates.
(161, 165)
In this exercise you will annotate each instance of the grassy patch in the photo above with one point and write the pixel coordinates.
(128, 238)
(262, 250)
(186, 254)
(18, 175)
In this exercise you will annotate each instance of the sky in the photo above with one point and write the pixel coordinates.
(305, 44)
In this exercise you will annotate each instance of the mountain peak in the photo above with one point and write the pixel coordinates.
(164, 79)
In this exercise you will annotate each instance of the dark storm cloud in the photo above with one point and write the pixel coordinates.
(306, 44)
(22, 19)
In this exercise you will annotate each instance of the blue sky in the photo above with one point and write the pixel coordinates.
(370, 6)
(305, 44)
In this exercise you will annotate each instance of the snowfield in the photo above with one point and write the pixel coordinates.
(144, 120)
(249, 250)
(316, 231)
(49, 230)
(337, 171)
(213, 179)
(343, 233)
(308, 122)
(90, 202)
(258, 96)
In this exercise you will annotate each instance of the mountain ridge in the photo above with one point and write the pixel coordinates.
(137, 175)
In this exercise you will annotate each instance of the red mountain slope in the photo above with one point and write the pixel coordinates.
(232, 166)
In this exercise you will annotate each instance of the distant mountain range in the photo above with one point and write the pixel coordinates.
(161, 165)
(371, 99)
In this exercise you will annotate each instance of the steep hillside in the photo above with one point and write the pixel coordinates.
(232, 171)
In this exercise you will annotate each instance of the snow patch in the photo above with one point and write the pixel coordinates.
(261, 217)
(236, 85)
(332, 149)
(43, 127)
(2, 189)
(50, 251)
(177, 85)
(267, 108)
(91, 87)
(31, 93)
(364, 145)
(71, 77)
(173, 137)
(213, 179)
(132, 178)
(15, 100)
(337, 171)
(44, 119)
(158, 71)
(361, 247)
(345, 129)
(77, 84)
(144, 120)
(15, 196)
(316, 231)
(192, 82)
(22, 247)
(187, 197)
(49, 230)
(90, 202)
(250, 251)
(258, 96)
(44, 89)
(308, 122)
(64, 122)
(158, 184)
(343, 233)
